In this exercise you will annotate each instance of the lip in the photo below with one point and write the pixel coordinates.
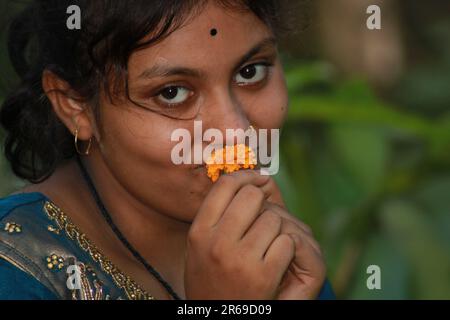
(198, 166)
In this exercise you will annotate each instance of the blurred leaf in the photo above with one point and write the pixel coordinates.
(287, 187)
(300, 76)
(299, 171)
(355, 91)
(430, 88)
(364, 153)
(324, 109)
(414, 235)
(336, 187)
(434, 200)
(394, 271)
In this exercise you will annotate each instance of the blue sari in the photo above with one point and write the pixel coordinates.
(44, 256)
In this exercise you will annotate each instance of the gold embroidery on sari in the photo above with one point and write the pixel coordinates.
(12, 227)
(131, 288)
(87, 290)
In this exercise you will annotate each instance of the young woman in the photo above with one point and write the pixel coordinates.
(108, 215)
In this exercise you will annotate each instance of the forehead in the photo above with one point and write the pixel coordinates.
(193, 45)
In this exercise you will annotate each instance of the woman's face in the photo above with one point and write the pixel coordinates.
(226, 81)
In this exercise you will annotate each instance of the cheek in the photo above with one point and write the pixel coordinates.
(269, 108)
(135, 136)
(136, 148)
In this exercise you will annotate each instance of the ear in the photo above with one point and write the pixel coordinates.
(70, 110)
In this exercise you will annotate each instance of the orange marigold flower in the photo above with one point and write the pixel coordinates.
(230, 159)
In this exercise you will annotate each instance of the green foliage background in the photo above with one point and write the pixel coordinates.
(372, 181)
(371, 175)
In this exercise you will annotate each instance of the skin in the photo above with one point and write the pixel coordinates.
(155, 203)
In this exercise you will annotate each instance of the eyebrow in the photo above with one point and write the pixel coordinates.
(161, 70)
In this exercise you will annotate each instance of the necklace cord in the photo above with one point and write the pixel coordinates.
(119, 234)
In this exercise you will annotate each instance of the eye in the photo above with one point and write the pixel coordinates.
(252, 74)
(174, 95)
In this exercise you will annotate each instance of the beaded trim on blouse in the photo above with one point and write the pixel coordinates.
(131, 288)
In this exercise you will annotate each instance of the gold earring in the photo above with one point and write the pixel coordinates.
(85, 153)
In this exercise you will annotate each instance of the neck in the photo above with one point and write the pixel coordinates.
(158, 238)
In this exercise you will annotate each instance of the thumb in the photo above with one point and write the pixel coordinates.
(273, 193)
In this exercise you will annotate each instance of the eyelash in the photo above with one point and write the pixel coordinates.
(268, 65)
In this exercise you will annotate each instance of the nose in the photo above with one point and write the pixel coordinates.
(225, 112)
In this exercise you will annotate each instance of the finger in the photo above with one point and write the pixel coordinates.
(307, 262)
(285, 214)
(280, 255)
(273, 192)
(242, 211)
(287, 227)
(222, 193)
(291, 223)
(262, 233)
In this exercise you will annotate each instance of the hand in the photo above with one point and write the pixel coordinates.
(234, 250)
(307, 272)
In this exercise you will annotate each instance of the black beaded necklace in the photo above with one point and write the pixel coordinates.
(119, 234)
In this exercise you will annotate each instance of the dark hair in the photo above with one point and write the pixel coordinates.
(36, 141)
